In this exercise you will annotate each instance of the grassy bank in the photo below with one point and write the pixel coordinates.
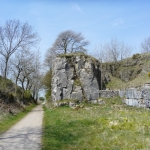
(111, 126)
(9, 120)
(139, 81)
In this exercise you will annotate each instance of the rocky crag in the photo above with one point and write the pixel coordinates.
(76, 76)
(129, 68)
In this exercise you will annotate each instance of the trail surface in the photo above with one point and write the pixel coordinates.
(26, 134)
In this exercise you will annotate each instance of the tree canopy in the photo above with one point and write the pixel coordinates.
(68, 42)
(13, 36)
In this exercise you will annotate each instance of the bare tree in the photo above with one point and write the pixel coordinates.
(49, 57)
(145, 45)
(99, 52)
(112, 51)
(13, 36)
(68, 42)
(116, 50)
(36, 77)
(21, 67)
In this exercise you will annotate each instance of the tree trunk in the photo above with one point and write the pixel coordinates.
(6, 67)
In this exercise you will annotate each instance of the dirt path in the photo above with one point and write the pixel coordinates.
(26, 134)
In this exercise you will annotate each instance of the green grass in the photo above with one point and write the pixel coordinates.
(111, 126)
(139, 81)
(115, 83)
(9, 120)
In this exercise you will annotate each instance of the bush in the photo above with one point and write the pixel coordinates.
(48, 94)
(41, 98)
(136, 56)
(27, 94)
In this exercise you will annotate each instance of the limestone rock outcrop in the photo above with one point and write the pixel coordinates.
(75, 76)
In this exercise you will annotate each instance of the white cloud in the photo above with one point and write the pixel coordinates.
(118, 22)
(77, 7)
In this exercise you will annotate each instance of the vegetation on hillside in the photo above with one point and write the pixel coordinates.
(46, 81)
(18, 62)
(130, 72)
(10, 93)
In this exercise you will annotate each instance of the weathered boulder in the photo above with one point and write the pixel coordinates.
(75, 76)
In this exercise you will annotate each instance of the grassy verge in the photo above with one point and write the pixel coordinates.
(8, 120)
(139, 81)
(111, 126)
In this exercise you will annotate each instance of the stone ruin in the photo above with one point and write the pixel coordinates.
(76, 77)
(137, 97)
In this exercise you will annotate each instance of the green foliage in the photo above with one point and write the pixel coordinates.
(41, 98)
(149, 74)
(48, 94)
(129, 72)
(77, 82)
(81, 55)
(6, 84)
(136, 56)
(46, 81)
(9, 91)
(27, 94)
(111, 125)
(139, 81)
(11, 96)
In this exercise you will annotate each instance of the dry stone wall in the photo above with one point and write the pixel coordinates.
(109, 93)
(136, 97)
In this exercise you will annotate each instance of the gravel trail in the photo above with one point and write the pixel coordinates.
(26, 134)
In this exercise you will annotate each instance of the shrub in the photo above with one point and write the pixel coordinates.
(27, 94)
(136, 56)
(41, 98)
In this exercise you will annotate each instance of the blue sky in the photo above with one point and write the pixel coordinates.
(98, 20)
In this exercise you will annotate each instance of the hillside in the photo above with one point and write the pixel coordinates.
(130, 72)
(11, 97)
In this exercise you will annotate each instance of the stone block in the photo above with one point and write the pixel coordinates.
(87, 94)
(131, 102)
(100, 101)
(72, 104)
(94, 101)
(73, 95)
(122, 93)
(77, 88)
(77, 96)
(94, 96)
(147, 102)
(131, 94)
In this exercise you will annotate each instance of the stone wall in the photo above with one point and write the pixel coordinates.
(137, 97)
(75, 77)
(108, 93)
